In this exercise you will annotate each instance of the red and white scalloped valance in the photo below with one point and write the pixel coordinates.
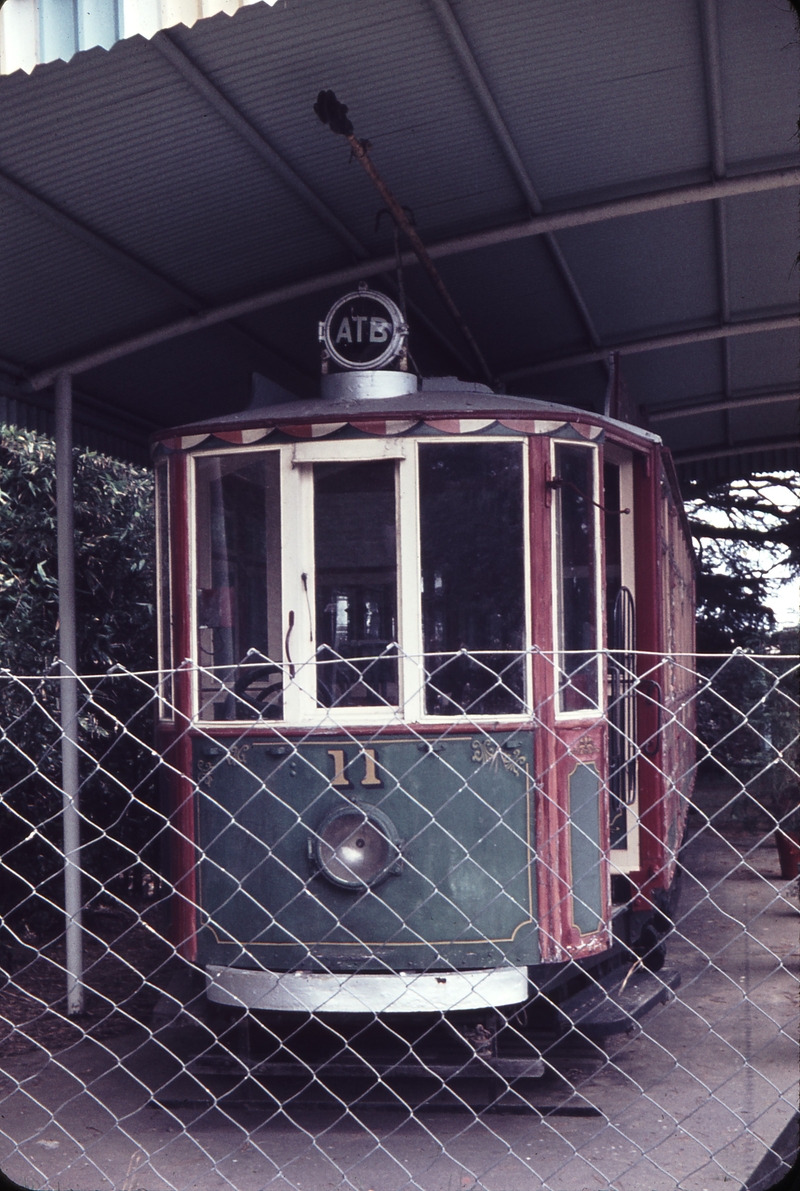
(307, 430)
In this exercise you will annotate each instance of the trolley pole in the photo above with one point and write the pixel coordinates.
(334, 113)
(68, 650)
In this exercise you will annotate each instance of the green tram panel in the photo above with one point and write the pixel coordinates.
(463, 893)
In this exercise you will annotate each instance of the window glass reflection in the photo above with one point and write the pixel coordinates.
(355, 560)
(238, 580)
(577, 605)
(473, 576)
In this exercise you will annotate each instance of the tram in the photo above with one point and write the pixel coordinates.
(426, 726)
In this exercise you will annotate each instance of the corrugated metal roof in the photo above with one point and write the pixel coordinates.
(34, 31)
(142, 199)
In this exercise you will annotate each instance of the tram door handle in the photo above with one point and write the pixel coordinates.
(652, 747)
(286, 643)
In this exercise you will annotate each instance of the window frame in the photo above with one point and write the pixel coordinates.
(512, 718)
(191, 513)
(626, 860)
(597, 712)
(300, 707)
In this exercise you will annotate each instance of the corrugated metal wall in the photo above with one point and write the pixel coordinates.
(93, 430)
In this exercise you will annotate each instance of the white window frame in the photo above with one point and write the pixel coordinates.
(584, 714)
(191, 488)
(416, 579)
(626, 860)
(300, 707)
(297, 486)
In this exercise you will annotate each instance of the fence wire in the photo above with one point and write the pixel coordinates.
(663, 1055)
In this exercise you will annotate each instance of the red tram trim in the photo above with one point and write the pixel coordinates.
(582, 744)
(650, 645)
(543, 420)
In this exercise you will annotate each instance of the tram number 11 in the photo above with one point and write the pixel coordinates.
(340, 779)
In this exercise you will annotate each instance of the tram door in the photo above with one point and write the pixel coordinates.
(620, 585)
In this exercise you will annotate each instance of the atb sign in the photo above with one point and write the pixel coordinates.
(364, 329)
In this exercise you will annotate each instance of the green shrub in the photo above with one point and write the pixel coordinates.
(115, 602)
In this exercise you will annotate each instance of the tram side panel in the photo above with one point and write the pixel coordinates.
(665, 628)
(572, 795)
(678, 736)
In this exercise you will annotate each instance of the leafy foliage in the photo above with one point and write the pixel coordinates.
(114, 558)
(115, 572)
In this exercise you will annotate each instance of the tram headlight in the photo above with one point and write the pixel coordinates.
(356, 847)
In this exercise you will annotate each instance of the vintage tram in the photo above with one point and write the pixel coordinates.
(424, 714)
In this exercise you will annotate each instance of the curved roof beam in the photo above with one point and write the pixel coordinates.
(480, 89)
(754, 447)
(67, 222)
(104, 246)
(783, 322)
(577, 217)
(741, 401)
(215, 99)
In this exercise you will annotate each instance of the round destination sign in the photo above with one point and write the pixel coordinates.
(364, 329)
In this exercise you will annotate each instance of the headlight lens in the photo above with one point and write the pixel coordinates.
(356, 847)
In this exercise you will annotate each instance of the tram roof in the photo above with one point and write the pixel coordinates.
(465, 407)
(589, 178)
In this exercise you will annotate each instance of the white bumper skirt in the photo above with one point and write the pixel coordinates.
(379, 992)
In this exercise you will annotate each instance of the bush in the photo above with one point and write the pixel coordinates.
(115, 571)
(114, 558)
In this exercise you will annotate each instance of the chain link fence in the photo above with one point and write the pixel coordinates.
(662, 1060)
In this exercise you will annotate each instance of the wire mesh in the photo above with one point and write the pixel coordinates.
(662, 1055)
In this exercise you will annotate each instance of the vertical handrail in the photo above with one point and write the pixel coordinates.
(622, 709)
(68, 650)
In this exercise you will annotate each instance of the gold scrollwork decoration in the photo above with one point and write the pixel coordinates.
(489, 752)
(204, 772)
(236, 754)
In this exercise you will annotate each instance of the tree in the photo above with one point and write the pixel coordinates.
(747, 535)
(748, 541)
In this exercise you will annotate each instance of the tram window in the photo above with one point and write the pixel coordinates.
(473, 577)
(576, 595)
(621, 664)
(355, 563)
(165, 650)
(613, 540)
(238, 586)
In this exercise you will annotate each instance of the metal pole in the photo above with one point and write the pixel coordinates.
(360, 150)
(68, 650)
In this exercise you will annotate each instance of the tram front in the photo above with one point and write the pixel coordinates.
(387, 742)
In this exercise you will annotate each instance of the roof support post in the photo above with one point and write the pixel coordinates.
(68, 665)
